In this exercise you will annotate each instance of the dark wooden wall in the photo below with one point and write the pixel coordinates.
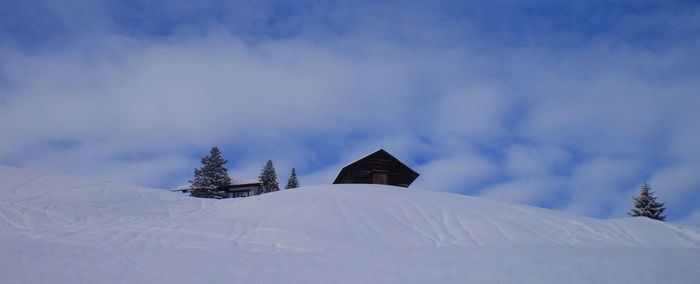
(379, 162)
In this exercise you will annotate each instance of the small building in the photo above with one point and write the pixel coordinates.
(182, 188)
(242, 189)
(236, 189)
(379, 167)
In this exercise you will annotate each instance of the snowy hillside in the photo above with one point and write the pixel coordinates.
(59, 229)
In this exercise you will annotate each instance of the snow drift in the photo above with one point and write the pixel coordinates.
(67, 229)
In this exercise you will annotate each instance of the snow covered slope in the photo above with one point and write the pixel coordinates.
(61, 229)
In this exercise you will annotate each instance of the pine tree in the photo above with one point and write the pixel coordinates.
(209, 180)
(292, 182)
(645, 204)
(268, 178)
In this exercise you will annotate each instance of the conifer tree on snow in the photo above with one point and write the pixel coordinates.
(645, 204)
(292, 182)
(211, 177)
(268, 178)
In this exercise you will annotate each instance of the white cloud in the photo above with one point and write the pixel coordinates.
(600, 187)
(476, 112)
(462, 174)
(678, 186)
(692, 219)
(540, 191)
(529, 161)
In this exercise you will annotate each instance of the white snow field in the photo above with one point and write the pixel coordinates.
(61, 229)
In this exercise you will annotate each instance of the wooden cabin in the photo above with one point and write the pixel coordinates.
(379, 167)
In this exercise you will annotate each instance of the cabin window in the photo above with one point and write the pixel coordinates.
(380, 178)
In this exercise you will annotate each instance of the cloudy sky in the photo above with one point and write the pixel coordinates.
(570, 106)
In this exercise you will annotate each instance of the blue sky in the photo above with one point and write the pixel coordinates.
(570, 106)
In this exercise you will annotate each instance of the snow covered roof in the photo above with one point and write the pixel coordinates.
(235, 183)
(245, 182)
(184, 187)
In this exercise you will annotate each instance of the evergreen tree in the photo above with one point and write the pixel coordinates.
(645, 204)
(268, 178)
(209, 180)
(292, 182)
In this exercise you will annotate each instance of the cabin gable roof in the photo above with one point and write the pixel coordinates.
(365, 170)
